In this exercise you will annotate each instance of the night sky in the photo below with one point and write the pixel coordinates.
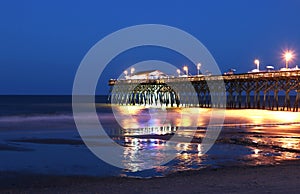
(43, 42)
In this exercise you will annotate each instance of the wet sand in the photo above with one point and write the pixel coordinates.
(282, 178)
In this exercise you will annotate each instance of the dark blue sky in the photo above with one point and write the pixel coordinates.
(43, 42)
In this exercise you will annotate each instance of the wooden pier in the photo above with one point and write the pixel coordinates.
(261, 90)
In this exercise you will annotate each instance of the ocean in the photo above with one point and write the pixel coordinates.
(39, 135)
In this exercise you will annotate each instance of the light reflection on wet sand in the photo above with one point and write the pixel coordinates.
(250, 137)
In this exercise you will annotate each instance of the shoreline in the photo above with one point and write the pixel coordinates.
(283, 177)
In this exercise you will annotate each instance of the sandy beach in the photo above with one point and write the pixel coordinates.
(282, 178)
(43, 153)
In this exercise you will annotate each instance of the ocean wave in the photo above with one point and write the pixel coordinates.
(42, 117)
(52, 117)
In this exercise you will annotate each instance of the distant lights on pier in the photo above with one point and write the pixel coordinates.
(132, 69)
(287, 56)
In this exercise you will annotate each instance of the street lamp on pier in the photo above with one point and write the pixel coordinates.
(288, 56)
(132, 70)
(126, 73)
(198, 68)
(256, 62)
(178, 71)
(186, 69)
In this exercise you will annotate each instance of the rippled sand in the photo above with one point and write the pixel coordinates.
(282, 178)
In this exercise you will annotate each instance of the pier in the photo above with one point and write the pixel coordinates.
(260, 90)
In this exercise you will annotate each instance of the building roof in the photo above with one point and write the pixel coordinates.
(157, 72)
(152, 74)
